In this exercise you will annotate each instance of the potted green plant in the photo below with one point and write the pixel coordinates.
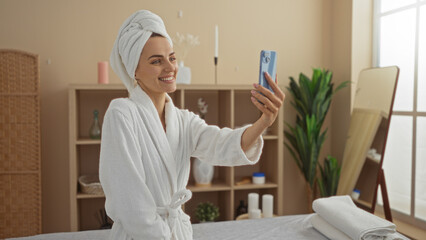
(311, 100)
(329, 177)
(206, 212)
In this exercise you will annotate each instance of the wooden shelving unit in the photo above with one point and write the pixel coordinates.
(229, 106)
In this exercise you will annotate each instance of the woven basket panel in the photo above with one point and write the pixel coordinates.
(20, 205)
(18, 72)
(19, 109)
(19, 147)
(20, 191)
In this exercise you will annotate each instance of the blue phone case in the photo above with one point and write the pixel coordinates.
(268, 63)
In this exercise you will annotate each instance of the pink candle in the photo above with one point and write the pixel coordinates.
(103, 72)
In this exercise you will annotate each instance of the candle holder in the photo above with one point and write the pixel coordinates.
(215, 70)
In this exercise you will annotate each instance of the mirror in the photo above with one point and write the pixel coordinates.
(367, 135)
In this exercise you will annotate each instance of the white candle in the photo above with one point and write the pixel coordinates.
(216, 41)
(253, 201)
(267, 205)
(254, 214)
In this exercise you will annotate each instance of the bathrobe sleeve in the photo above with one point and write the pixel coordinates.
(221, 146)
(128, 199)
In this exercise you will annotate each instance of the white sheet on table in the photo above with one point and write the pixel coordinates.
(286, 227)
(294, 227)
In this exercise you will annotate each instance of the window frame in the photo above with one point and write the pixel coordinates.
(377, 15)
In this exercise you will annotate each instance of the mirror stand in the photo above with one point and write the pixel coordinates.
(367, 135)
(386, 207)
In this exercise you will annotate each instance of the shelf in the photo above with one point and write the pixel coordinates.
(228, 106)
(221, 199)
(88, 141)
(97, 87)
(242, 195)
(212, 188)
(218, 101)
(19, 172)
(373, 160)
(89, 196)
(270, 137)
(362, 202)
(256, 186)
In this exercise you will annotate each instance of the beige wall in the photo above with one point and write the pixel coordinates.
(362, 38)
(340, 63)
(75, 35)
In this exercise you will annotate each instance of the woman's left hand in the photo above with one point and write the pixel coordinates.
(270, 102)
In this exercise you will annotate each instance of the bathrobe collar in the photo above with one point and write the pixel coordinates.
(154, 126)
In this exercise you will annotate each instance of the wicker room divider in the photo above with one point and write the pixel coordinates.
(20, 167)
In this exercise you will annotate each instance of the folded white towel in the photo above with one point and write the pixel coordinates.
(344, 215)
(327, 229)
(131, 39)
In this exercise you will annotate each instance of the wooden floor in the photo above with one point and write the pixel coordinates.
(407, 229)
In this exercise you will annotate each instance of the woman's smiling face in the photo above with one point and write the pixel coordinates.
(157, 67)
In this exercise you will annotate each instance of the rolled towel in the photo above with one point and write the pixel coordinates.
(131, 39)
(344, 215)
(327, 229)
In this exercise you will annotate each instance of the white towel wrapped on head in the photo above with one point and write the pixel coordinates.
(132, 37)
(343, 215)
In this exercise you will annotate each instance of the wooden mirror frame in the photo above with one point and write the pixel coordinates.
(355, 154)
(381, 176)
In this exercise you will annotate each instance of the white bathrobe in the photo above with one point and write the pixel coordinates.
(144, 170)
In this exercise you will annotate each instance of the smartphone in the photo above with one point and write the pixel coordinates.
(268, 63)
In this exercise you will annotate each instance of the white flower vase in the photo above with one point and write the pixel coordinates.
(203, 173)
(183, 75)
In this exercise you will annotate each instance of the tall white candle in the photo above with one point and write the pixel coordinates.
(267, 205)
(216, 41)
(253, 201)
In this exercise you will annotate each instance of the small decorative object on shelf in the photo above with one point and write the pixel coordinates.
(355, 194)
(95, 129)
(103, 77)
(104, 220)
(182, 45)
(255, 214)
(203, 173)
(202, 108)
(184, 74)
(253, 201)
(241, 209)
(90, 184)
(206, 212)
(244, 180)
(374, 155)
(258, 178)
(267, 205)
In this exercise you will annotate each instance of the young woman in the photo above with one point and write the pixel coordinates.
(147, 142)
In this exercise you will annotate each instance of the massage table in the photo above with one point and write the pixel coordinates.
(284, 227)
(292, 227)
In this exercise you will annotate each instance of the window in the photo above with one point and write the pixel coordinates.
(400, 39)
